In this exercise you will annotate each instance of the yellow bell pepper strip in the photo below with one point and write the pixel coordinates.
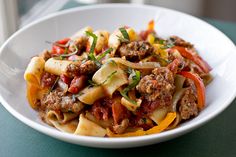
(156, 129)
(150, 29)
(151, 25)
(199, 85)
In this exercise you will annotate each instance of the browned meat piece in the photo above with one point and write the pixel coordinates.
(47, 79)
(180, 42)
(72, 70)
(80, 43)
(176, 65)
(88, 67)
(46, 55)
(57, 101)
(84, 68)
(136, 50)
(188, 105)
(158, 85)
(147, 107)
(101, 109)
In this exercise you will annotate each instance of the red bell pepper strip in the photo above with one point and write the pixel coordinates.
(201, 96)
(194, 57)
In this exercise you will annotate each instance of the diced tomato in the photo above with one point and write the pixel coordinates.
(119, 112)
(194, 57)
(73, 90)
(73, 58)
(78, 83)
(63, 41)
(57, 50)
(199, 85)
(65, 79)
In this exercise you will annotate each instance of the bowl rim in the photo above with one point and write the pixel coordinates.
(88, 139)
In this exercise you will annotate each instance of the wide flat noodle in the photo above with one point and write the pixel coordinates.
(34, 93)
(170, 117)
(109, 82)
(159, 114)
(56, 67)
(103, 123)
(34, 71)
(90, 94)
(89, 128)
(66, 122)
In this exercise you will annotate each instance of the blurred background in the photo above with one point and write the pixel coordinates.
(15, 14)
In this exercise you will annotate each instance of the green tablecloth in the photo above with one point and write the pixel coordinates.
(216, 138)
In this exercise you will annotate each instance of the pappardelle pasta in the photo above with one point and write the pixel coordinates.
(117, 85)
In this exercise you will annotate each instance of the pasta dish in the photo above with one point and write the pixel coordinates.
(118, 84)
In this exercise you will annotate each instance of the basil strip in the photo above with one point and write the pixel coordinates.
(104, 54)
(108, 77)
(124, 33)
(92, 48)
(135, 81)
(54, 84)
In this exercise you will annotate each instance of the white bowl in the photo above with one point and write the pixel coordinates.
(213, 45)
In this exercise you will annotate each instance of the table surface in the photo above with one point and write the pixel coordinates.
(216, 138)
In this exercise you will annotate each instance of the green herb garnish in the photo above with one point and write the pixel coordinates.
(122, 39)
(54, 84)
(104, 54)
(161, 59)
(92, 83)
(91, 55)
(161, 42)
(129, 70)
(92, 48)
(135, 81)
(124, 33)
(144, 120)
(166, 44)
(62, 56)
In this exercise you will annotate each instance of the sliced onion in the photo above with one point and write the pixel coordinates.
(63, 86)
(140, 65)
(179, 81)
(177, 96)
